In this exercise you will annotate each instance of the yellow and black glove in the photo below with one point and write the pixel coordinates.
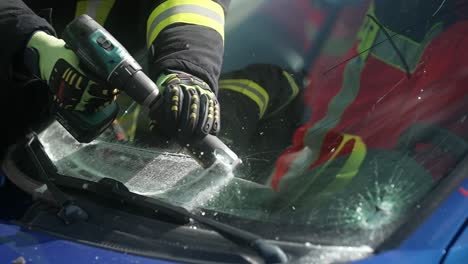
(72, 88)
(188, 110)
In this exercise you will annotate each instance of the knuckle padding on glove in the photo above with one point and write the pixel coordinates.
(216, 119)
(173, 97)
(189, 109)
(204, 125)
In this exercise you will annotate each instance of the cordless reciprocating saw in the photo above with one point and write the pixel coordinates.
(105, 57)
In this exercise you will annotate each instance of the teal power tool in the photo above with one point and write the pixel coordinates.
(105, 57)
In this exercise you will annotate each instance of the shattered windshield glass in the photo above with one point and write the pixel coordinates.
(345, 118)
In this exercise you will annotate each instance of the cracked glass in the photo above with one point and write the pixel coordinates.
(365, 113)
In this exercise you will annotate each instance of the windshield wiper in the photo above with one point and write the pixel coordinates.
(269, 252)
(113, 189)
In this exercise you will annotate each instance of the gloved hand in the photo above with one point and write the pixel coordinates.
(188, 110)
(72, 88)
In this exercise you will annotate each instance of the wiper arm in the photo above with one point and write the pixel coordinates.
(112, 188)
(269, 252)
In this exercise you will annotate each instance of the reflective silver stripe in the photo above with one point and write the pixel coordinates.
(194, 9)
(412, 51)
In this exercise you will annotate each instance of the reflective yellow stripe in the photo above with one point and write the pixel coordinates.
(352, 164)
(205, 13)
(249, 83)
(253, 96)
(292, 83)
(342, 178)
(97, 9)
(294, 91)
(367, 34)
(250, 89)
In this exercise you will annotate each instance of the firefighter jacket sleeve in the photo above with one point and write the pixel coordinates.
(17, 23)
(188, 36)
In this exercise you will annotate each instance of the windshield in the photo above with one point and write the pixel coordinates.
(345, 114)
